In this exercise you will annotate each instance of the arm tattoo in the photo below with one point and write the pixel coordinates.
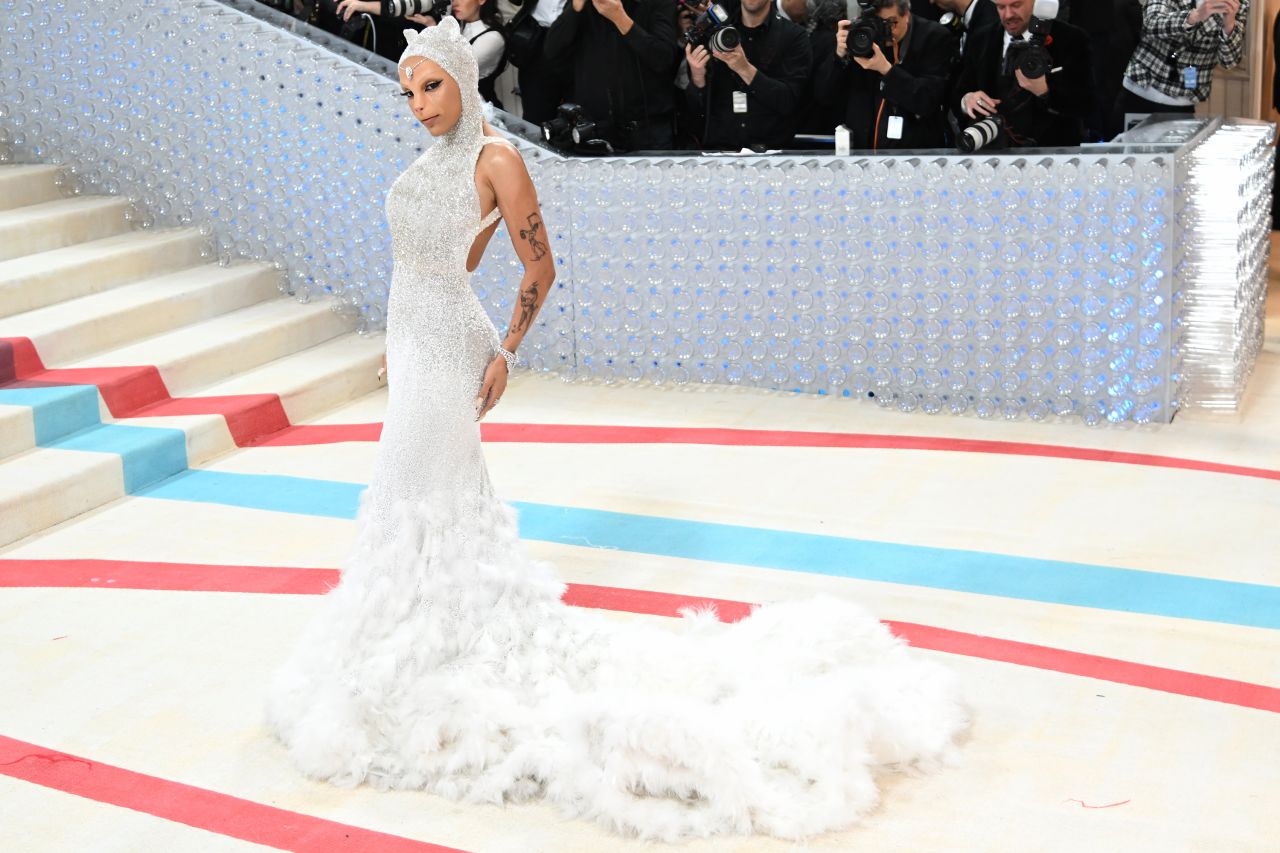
(528, 307)
(531, 234)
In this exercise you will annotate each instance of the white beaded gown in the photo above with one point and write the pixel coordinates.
(444, 659)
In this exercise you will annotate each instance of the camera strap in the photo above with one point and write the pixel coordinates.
(525, 11)
(893, 129)
(1182, 75)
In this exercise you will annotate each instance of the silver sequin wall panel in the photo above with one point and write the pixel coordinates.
(1044, 286)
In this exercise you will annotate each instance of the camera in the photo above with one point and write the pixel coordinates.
(1030, 55)
(571, 121)
(573, 130)
(439, 10)
(711, 30)
(980, 134)
(869, 30)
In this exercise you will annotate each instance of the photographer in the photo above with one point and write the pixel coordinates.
(366, 23)
(968, 16)
(480, 22)
(817, 113)
(482, 28)
(541, 83)
(894, 92)
(1172, 68)
(748, 97)
(624, 58)
(1098, 20)
(1039, 109)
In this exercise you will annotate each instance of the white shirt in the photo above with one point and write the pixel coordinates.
(1156, 95)
(488, 49)
(546, 12)
(968, 18)
(1008, 39)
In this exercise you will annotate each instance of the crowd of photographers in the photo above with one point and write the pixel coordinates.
(604, 76)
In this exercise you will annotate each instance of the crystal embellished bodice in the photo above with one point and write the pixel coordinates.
(434, 216)
(439, 338)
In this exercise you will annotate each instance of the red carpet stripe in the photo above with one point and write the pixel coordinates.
(587, 434)
(198, 807)
(307, 434)
(140, 392)
(277, 579)
(18, 358)
(177, 577)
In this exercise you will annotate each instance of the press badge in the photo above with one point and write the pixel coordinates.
(894, 131)
(1189, 77)
(739, 102)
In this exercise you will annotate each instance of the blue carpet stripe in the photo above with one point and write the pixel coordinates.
(149, 454)
(68, 417)
(1025, 578)
(298, 495)
(57, 410)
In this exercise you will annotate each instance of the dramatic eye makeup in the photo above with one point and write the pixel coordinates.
(429, 86)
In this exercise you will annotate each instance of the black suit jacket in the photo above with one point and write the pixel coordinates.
(1054, 120)
(915, 89)
(779, 49)
(1093, 16)
(925, 9)
(619, 79)
(985, 16)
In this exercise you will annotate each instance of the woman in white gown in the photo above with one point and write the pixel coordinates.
(444, 659)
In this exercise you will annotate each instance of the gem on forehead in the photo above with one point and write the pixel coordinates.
(408, 72)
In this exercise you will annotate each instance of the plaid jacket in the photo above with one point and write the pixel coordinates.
(1165, 30)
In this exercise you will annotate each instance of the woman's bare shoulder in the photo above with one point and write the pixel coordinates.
(502, 161)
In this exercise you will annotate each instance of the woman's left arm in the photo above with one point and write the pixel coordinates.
(518, 204)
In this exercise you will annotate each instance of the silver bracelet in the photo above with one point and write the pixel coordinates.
(509, 357)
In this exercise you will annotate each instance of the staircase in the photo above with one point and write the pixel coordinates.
(126, 357)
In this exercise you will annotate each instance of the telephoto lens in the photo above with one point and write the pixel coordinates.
(706, 25)
(553, 129)
(979, 134)
(724, 39)
(583, 132)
